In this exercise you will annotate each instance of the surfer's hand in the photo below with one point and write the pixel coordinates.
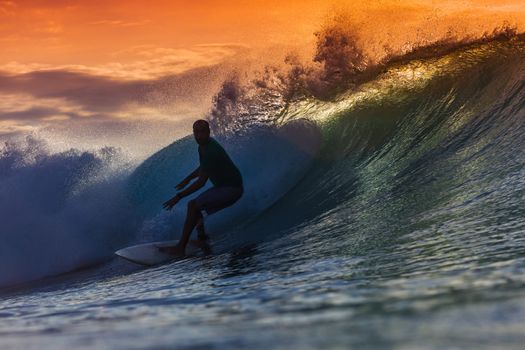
(170, 203)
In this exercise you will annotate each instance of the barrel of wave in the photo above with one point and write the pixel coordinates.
(272, 159)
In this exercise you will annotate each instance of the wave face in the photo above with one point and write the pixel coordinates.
(425, 136)
(425, 161)
(429, 144)
(423, 164)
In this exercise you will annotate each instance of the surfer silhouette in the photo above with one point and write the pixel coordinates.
(217, 166)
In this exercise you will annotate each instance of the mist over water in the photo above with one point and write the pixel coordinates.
(60, 210)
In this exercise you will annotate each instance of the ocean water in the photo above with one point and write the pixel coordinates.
(391, 216)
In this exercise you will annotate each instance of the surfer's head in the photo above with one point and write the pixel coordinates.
(201, 131)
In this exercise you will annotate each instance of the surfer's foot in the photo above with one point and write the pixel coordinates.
(173, 250)
(203, 245)
(203, 237)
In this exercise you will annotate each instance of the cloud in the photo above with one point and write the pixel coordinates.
(163, 73)
(114, 103)
(151, 62)
(121, 23)
(31, 114)
(56, 99)
(7, 8)
(83, 110)
(49, 27)
(106, 94)
(164, 85)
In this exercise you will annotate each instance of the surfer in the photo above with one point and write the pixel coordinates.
(216, 165)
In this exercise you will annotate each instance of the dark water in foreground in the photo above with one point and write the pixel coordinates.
(399, 223)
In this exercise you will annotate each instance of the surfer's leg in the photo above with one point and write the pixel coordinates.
(218, 198)
(201, 232)
(211, 201)
(192, 216)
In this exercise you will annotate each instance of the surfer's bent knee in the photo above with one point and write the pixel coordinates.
(193, 205)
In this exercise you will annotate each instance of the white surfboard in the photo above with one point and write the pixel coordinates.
(149, 254)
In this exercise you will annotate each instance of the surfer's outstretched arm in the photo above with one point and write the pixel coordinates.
(195, 186)
(188, 178)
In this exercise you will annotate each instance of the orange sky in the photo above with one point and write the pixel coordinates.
(94, 32)
(99, 31)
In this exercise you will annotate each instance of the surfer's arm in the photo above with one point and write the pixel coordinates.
(194, 174)
(195, 186)
(188, 178)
